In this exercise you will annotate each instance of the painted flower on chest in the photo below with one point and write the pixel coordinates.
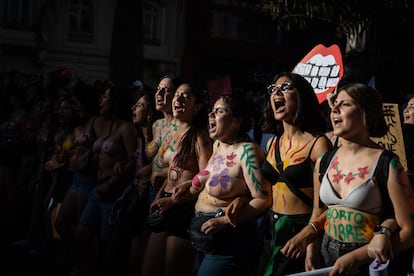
(230, 158)
(337, 177)
(349, 178)
(363, 172)
(216, 161)
(222, 178)
(335, 163)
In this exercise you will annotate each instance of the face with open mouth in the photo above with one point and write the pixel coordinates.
(221, 122)
(183, 103)
(409, 112)
(164, 95)
(141, 111)
(346, 116)
(284, 99)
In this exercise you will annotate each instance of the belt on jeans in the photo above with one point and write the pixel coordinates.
(344, 244)
(218, 213)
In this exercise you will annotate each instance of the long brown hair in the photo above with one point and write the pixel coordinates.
(199, 122)
(370, 102)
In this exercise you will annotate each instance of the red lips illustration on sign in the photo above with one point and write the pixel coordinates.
(323, 68)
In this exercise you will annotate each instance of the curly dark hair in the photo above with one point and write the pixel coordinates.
(309, 116)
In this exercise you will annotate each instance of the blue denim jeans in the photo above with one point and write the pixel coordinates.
(219, 265)
(83, 182)
(332, 249)
(96, 213)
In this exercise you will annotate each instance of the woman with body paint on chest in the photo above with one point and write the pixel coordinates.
(233, 193)
(362, 187)
(293, 112)
(185, 152)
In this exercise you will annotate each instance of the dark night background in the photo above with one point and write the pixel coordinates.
(198, 40)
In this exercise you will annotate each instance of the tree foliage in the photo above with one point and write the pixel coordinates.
(352, 18)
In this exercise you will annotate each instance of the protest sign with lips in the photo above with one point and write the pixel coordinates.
(323, 68)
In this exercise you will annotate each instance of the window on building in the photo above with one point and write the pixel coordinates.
(81, 21)
(239, 20)
(152, 16)
(19, 14)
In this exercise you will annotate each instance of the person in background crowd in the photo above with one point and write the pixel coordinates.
(408, 133)
(31, 168)
(156, 172)
(363, 187)
(184, 152)
(13, 134)
(115, 144)
(38, 240)
(161, 129)
(291, 156)
(232, 173)
(83, 164)
(144, 116)
(57, 166)
(128, 214)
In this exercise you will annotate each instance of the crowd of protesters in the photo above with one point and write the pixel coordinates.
(138, 181)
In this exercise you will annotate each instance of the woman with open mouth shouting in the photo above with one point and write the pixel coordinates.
(289, 164)
(185, 151)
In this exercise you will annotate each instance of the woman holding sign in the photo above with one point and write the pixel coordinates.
(289, 163)
(362, 186)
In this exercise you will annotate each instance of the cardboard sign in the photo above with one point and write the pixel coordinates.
(323, 68)
(393, 140)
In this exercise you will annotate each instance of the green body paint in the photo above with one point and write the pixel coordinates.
(174, 126)
(394, 163)
(346, 232)
(250, 164)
